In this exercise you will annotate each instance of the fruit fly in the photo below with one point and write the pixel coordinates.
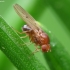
(32, 29)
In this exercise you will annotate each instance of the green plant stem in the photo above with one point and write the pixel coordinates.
(10, 44)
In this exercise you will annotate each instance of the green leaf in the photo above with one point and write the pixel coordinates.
(10, 44)
(58, 58)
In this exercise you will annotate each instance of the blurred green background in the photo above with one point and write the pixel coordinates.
(54, 15)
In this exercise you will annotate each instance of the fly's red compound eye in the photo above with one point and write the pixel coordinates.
(45, 48)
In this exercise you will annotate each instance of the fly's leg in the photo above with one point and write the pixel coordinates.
(24, 36)
(36, 50)
(20, 32)
(27, 43)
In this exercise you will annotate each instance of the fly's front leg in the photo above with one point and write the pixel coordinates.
(36, 50)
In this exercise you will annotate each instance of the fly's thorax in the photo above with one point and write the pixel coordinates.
(44, 39)
(26, 28)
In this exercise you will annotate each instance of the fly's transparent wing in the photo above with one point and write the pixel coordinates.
(31, 22)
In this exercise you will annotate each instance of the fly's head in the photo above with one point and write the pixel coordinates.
(45, 48)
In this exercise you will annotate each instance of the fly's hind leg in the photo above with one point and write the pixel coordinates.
(24, 36)
(20, 33)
